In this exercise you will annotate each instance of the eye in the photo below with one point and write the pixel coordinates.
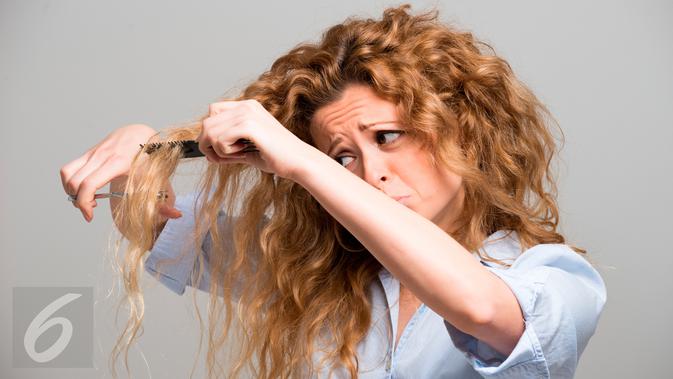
(384, 132)
(379, 140)
(338, 159)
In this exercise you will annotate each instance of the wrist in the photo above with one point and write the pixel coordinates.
(309, 163)
(146, 128)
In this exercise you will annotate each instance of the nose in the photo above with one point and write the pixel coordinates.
(375, 170)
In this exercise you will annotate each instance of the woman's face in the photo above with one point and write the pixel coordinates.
(360, 131)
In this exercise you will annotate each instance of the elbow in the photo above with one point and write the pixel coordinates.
(473, 319)
(499, 328)
(482, 316)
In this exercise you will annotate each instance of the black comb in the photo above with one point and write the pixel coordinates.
(190, 148)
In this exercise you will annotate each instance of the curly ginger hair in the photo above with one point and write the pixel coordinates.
(295, 276)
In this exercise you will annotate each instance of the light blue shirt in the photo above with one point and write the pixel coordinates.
(560, 293)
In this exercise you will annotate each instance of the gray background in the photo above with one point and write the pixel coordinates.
(72, 71)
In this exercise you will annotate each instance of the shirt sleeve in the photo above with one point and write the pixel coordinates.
(561, 297)
(172, 258)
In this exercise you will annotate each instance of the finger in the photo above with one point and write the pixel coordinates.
(209, 153)
(170, 212)
(71, 168)
(225, 125)
(75, 181)
(220, 106)
(213, 127)
(217, 150)
(226, 142)
(205, 142)
(231, 160)
(167, 206)
(110, 169)
(235, 148)
(169, 200)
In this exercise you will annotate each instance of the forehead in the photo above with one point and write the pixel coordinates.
(358, 105)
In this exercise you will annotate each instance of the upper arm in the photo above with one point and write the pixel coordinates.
(561, 297)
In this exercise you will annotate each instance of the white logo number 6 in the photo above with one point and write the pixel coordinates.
(41, 323)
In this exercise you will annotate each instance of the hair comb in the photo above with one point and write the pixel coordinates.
(190, 148)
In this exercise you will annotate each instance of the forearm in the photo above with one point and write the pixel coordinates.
(428, 261)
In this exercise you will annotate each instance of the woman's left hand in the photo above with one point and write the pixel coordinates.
(280, 151)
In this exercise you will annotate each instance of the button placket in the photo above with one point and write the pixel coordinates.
(410, 327)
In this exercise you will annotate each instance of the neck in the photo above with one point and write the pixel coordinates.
(447, 217)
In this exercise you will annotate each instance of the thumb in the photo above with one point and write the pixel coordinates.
(170, 212)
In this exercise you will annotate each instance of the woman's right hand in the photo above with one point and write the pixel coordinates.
(109, 159)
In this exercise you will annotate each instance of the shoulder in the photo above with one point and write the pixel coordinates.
(555, 265)
(504, 245)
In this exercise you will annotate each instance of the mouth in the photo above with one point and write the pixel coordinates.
(399, 198)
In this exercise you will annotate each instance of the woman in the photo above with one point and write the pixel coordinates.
(414, 221)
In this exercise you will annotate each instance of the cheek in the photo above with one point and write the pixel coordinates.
(453, 182)
(433, 180)
(453, 185)
(442, 187)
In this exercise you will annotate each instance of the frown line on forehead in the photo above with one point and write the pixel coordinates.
(362, 127)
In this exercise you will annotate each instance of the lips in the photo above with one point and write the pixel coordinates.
(398, 198)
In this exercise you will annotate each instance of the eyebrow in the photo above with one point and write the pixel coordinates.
(362, 128)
